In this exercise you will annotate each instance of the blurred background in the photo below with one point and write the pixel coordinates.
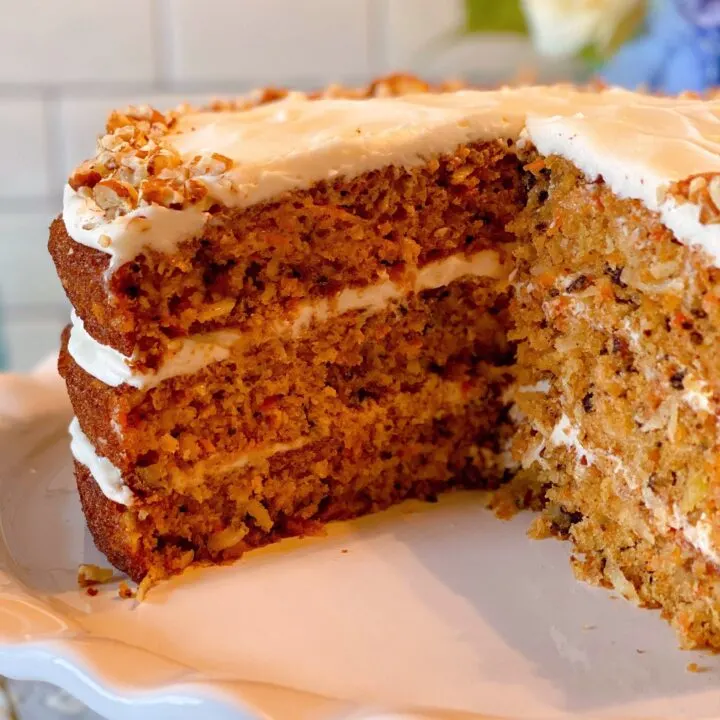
(64, 64)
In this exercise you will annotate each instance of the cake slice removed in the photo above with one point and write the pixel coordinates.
(315, 307)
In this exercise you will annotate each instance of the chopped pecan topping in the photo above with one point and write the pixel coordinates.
(702, 190)
(135, 165)
(113, 194)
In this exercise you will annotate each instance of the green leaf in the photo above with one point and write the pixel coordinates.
(494, 16)
(628, 28)
(592, 57)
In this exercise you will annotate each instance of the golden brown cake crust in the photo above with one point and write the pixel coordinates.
(105, 522)
(81, 270)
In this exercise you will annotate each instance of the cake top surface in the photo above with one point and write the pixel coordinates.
(155, 177)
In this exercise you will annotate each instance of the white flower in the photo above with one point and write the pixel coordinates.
(565, 27)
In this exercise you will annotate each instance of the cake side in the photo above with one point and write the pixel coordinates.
(314, 402)
(383, 381)
(415, 448)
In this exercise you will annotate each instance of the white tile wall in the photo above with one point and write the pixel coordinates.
(27, 274)
(70, 41)
(268, 40)
(65, 63)
(23, 149)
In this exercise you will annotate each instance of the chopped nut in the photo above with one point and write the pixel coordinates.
(125, 591)
(93, 575)
(104, 241)
(113, 194)
(84, 176)
(214, 164)
(163, 160)
(161, 192)
(195, 191)
(397, 84)
(702, 190)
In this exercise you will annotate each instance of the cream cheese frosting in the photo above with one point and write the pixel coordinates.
(106, 475)
(109, 477)
(638, 143)
(698, 534)
(191, 354)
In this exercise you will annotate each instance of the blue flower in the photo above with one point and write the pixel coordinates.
(680, 49)
(704, 13)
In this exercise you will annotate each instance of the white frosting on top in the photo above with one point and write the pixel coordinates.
(638, 143)
(124, 238)
(639, 149)
(188, 355)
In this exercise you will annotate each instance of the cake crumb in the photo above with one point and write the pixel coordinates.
(92, 591)
(89, 575)
(589, 627)
(640, 652)
(125, 591)
(695, 668)
(344, 551)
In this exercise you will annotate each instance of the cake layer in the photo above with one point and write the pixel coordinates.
(252, 266)
(187, 355)
(619, 545)
(199, 160)
(617, 326)
(361, 468)
(439, 344)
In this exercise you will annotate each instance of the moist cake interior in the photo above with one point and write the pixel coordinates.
(493, 314)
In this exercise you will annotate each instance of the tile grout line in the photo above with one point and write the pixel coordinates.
(54, 139)
(163, 45)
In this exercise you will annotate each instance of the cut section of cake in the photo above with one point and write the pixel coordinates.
(314, 307)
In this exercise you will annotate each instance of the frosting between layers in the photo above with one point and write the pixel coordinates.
(109, 478)
(698, 535)
(194, 353)
(106, 475)
(638, 143)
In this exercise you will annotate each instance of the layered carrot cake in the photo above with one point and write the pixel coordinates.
(307, 308)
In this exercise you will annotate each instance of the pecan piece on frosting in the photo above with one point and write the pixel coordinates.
(85, 175)
(111, 194)
(162, 192)
(702, 190)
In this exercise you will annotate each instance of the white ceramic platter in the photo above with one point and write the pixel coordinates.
(437, 610)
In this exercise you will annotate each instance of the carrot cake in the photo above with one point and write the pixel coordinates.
(295, 309)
